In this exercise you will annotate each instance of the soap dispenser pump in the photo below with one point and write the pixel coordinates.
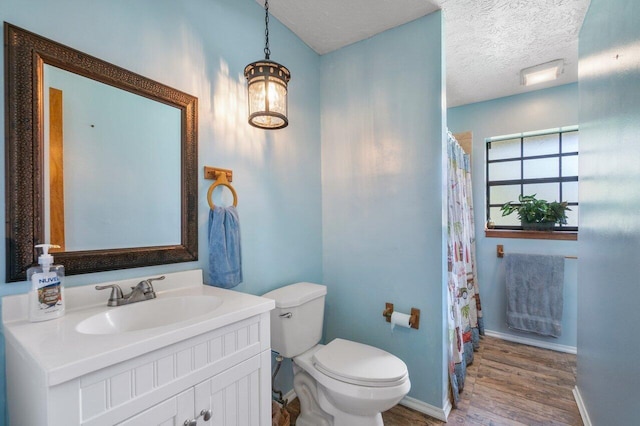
(46, 299)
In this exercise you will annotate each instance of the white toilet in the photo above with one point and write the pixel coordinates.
(342, 383)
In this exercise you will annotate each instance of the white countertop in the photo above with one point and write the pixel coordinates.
(64, 353)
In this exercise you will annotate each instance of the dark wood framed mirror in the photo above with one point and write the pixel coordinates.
(26, 56)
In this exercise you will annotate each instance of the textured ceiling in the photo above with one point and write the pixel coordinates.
(488, 42)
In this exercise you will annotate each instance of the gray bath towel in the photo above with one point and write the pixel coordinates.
(534, 292)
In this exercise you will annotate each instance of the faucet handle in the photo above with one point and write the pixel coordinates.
(148, 281)
(116, 293)
(146, 285)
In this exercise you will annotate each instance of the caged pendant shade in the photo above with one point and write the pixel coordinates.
(267, 88)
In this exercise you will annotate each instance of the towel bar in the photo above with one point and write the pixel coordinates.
(500, 252)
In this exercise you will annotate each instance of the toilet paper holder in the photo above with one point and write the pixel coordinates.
(414, 320)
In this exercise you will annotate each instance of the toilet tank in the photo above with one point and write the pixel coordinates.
(296, 322)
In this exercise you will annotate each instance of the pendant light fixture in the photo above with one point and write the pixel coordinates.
(267, 85)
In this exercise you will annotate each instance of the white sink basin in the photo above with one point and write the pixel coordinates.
(148, 314)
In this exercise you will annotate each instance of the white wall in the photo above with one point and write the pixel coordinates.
(608, 370)
(542, 109)
(382, 150)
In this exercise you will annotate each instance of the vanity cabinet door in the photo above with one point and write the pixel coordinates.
(172, 412)
(239, 396)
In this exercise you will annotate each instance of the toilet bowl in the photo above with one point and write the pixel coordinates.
(354, 382)
(343, 383)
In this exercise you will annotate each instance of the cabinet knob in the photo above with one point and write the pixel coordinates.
(206, 415)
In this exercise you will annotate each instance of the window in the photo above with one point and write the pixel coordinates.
(544, 163)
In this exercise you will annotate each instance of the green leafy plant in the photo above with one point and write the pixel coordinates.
(532, 210)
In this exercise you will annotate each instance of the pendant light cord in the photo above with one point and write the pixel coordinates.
(267, 51)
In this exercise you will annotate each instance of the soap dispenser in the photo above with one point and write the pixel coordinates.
(46, 299)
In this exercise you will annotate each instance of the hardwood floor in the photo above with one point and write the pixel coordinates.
(507, 384)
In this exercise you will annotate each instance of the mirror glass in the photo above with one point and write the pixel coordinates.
(100, 160)
(113, 163)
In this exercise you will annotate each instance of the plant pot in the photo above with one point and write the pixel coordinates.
(538, 226)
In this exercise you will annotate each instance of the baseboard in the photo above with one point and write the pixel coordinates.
(428, 409)
(447, 407)
(290, 396)
(583, 409)
(532, 342)
(407, 401)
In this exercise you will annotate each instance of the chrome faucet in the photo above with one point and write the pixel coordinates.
(142, 291)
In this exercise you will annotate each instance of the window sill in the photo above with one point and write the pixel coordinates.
(531, 235)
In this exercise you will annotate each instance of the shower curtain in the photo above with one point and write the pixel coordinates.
(465, 315)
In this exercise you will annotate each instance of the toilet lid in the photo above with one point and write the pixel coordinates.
(357, 363)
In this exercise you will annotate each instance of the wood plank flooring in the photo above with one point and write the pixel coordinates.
(507, 384)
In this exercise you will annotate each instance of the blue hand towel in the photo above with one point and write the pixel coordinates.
(225, 256)
(534, 292)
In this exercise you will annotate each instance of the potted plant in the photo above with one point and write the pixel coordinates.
(537, 214)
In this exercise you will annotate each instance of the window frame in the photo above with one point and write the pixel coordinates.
(508, 230)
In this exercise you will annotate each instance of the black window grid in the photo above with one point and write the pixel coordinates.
(560, 179)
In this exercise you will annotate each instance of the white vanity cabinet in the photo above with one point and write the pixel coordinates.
(165, 376)
(230, 398)
(169, 412)
(226, 371)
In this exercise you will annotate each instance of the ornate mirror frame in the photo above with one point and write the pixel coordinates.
(25, 55)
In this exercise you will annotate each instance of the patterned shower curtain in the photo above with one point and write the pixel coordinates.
(465, 315)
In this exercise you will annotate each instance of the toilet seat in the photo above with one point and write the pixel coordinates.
(352, 404)
(360, 364)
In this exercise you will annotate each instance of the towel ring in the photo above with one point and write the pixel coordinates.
(221, 181)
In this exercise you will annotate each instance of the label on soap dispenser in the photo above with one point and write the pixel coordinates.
(49, 289)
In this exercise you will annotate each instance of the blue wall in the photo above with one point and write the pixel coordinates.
(382, 140)
(608, 372)
(359, 170)
(542, 109)
(201, 47)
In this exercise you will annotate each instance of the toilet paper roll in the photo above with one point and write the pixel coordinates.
(399, 319)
